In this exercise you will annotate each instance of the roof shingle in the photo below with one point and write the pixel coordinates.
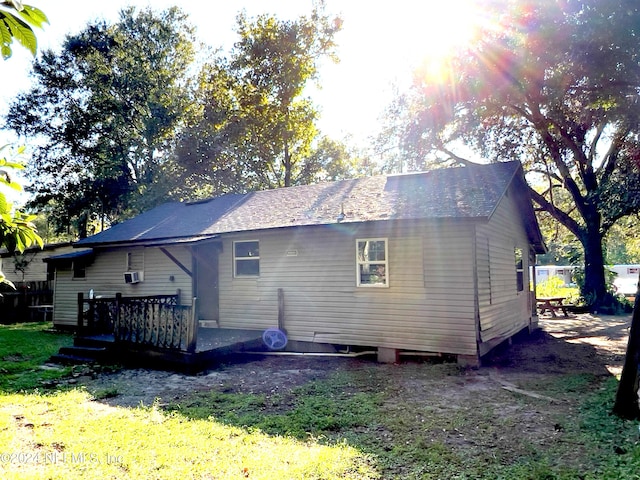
(465, 192)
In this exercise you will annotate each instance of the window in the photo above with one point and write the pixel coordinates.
(79, 269)
(246, 258)
(134, 261)
(519, 270)
(372, 263)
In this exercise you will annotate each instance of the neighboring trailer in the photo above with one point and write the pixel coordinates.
(625, 280)
(563, 272)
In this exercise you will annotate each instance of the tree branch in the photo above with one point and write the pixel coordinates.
(556, 213)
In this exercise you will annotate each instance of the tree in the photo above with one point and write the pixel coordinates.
(17, 231)
(555, 84)
(622, 242)
(17, 22)
(254, 128)
(626, 403)
(106, 109)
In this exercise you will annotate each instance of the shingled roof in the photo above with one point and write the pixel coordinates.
(471, 192)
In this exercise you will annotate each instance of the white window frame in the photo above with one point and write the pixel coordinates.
(385, 262)
(520, 264)
(236, 259)
(134, 260)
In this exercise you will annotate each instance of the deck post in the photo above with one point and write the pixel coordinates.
(192, 331)
(80, 312)
(116, 320)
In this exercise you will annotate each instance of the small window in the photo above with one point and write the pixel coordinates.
(519, 270)
(134, 260)
(372, 263)
(79, 269)
(246, 258)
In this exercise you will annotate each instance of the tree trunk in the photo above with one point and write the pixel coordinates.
(287, 164)
(626, 405)
(595, 287)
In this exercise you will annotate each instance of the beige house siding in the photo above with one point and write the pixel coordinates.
(503, 310)
(105, 277)
(36, 270)
(429, 304)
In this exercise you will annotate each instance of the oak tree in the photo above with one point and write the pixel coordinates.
(105, 109)
(554, 84)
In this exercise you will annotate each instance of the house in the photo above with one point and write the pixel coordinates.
(29, 266)
(32, 297)
(434, 262)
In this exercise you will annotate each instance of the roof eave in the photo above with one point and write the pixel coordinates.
(156, 242)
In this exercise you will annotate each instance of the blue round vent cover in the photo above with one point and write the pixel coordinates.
(274, 339)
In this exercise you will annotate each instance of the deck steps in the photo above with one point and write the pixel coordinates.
(84, 350)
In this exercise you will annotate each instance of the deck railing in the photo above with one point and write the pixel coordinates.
(156, 321)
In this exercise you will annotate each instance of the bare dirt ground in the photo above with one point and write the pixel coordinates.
(577, 344)
(520, 401)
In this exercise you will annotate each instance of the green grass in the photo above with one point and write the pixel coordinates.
(24, 348)
(418, 440)
(317, 408)
(367, 422)
(68, 436)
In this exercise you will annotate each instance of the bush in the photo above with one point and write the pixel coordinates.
(555, 287)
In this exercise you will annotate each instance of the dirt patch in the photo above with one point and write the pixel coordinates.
(573, 345)
(519, 401)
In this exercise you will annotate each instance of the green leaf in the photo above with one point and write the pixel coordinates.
(33, 16)
(5, 38)
(5, 163)
(21, 32)
(5, 206)
(13, 185)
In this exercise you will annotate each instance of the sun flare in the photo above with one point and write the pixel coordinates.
(444, 28)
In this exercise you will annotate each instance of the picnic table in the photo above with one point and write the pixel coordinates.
(552, 304)
(44, 309)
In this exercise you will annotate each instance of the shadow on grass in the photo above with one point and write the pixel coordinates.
(416, 418)
(419, 418)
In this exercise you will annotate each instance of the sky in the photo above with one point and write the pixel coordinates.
(381, 44)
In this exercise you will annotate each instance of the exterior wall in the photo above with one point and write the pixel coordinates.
(429, 304)
(36, 270)
(503, 310)
(105, 277)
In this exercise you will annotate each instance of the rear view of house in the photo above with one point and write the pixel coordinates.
(432, 262)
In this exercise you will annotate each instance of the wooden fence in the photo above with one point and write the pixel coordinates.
(30, 301)
(156, 321)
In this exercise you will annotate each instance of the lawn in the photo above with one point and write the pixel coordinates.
(338, 419)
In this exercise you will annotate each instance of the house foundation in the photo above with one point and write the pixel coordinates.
(388, 355)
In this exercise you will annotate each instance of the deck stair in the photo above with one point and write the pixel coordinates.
(85, 350)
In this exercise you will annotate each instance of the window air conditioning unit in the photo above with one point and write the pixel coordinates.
(132, 277)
